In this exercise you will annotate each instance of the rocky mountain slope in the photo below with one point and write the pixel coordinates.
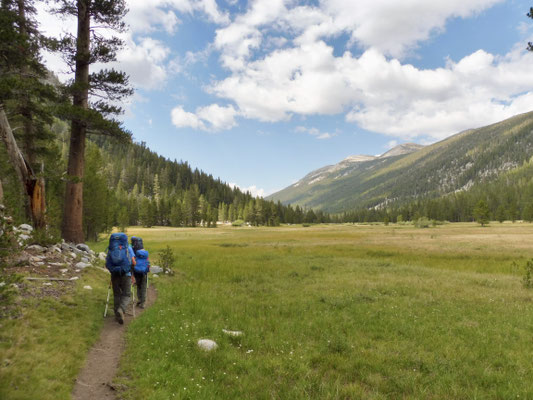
(410, 171)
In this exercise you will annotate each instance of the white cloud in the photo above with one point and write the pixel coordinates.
(183, 119)
(254, 190)
(212, 117)
(315, 132)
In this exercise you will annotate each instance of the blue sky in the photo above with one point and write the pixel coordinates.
(259, 93)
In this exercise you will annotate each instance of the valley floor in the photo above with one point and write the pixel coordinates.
(353, 311)
(327, 312)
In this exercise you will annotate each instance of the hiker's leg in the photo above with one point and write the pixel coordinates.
(125, 284)
(138, 283)
(117, 291)
(142, 295)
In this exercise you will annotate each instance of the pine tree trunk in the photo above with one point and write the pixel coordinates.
(72, 229)
(32, 186)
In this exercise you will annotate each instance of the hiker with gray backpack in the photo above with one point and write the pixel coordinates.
(141, 269)
(120, 261)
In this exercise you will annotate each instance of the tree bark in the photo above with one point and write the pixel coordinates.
(72, 229)
(32, 186)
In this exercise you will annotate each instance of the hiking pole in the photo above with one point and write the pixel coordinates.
(107, 301)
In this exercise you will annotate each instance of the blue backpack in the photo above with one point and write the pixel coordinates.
(118, 259)
(142, 262)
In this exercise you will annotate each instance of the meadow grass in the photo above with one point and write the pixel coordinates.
(336, 312)
(45, 346)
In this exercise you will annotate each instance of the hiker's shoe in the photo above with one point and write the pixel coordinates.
(119, 316)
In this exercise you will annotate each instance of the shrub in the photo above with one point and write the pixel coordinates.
(238, 222)
(422, 222)
(166, 260)
(527, 278)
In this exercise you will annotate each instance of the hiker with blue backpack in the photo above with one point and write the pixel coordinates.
(141, 269)
(120, 261)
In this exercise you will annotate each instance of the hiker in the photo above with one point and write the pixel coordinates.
(141, 269)
(119, 261)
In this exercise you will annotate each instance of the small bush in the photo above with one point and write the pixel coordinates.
(422, 222)
(527, 280)
(46, 236)
(237, 222)
(166, 260)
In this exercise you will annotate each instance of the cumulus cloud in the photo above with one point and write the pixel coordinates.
(377, 92)
(254, 190)
(212, 117)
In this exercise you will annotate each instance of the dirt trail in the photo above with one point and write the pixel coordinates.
(95, 379)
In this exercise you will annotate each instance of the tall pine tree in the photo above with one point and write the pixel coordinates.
(87, 48)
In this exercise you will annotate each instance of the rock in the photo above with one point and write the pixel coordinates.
(85, 260)
(88, 287)
(92, 253)
(47, 284)
(83, 247)
(36, 248)
(2, 284)
(207, 344)
(66, 247)
(23, 238)
(102, 256)
(72, 254)
(54, 249)
(14, 286)
(155, 276)
(26, 228)
(154, 269)
(64, 270)
(74, 278)
(232, 333)
(82, 265)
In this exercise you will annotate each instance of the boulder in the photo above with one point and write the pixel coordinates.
(82, 265)
(83, 247)
(88, 287)
(154, 269)
(36, 248)
(25, 228)
(102, 256)
(85, 260)
(66, 247)
(23, 237)
(207, 344)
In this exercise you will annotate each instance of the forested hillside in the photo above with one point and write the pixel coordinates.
(454, 165)
(128, 184)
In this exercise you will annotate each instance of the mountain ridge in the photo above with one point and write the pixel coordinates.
(450, 165)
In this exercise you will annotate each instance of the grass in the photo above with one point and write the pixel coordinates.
(43, 349)
(345, 312)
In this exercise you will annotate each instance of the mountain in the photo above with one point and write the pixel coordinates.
(409, 172)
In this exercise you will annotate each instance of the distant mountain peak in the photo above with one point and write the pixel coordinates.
(404, 148)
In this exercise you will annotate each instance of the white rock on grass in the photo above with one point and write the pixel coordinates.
(82, 265)
(63, 270)
(23, 237)
(85, 260)
(155, 276)
(83, 247)
(154, 269)
(102, 256)
(232, 333)
(36, 248)
(74, 278)
(207, 344)
(26, 228)
(88, 287)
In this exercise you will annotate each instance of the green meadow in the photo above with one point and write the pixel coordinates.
(336, 312)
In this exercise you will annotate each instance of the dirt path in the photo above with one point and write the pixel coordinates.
(95, 379)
